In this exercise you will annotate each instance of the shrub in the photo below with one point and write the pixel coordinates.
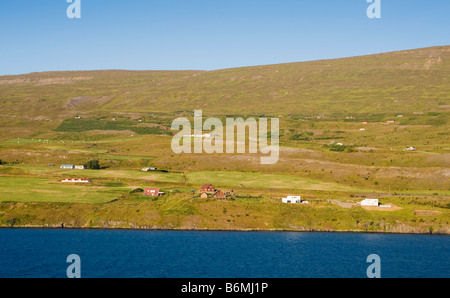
(340, 148)
(81, 125)
(137, 190)
(93, 164)
(304, 136)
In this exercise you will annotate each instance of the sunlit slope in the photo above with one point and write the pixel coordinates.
(404, 82)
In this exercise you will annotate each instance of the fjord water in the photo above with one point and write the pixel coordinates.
(42, 253)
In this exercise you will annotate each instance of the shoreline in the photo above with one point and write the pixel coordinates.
(188, 215)
(220, 230)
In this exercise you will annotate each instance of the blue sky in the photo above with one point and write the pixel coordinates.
(37, 35)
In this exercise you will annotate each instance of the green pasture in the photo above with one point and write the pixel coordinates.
(19, 189)
(264, 181)
(112, 174)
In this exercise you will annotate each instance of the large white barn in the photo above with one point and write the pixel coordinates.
(370, 202)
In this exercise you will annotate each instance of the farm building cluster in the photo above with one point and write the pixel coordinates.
(74, 180)
(209, 191)
(206, 191)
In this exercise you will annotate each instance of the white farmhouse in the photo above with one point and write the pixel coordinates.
(292, 200)
(370, 202)
(147, 169)
(71, 167)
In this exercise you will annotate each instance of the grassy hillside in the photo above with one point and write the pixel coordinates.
(375, 106)
(398, 82)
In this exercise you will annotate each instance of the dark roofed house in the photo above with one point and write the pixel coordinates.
(218, 194)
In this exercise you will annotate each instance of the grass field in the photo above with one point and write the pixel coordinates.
(264, 181)
(81, 125)
(18, 189)
(111, 174)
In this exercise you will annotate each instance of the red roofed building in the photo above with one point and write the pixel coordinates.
(153, 192)
(208, 188)
(76, 180)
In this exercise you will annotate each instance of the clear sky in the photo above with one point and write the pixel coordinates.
(37, 35)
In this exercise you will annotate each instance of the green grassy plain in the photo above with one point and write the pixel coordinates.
(18, 189)
(257, 180)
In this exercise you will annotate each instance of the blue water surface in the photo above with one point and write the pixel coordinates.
(185, 254)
